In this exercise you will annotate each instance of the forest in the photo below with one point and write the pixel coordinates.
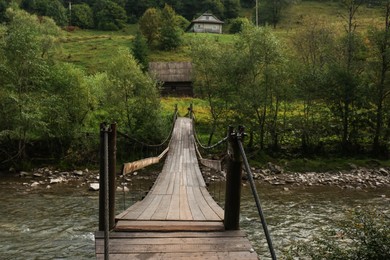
(322, 90)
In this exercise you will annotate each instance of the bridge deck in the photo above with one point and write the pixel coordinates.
(178, 219)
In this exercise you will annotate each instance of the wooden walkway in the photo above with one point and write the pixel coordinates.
(178, 219)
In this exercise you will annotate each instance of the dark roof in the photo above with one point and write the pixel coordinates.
(171, 71)
(207, 18)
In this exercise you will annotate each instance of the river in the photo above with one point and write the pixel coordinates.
(59, 222)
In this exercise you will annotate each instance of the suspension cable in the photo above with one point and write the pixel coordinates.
(197, 138)
(152, 145)
(255, 194)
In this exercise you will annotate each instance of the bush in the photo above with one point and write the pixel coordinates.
(364, 234)
(238, 24)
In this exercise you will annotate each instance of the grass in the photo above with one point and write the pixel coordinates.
(92, 49)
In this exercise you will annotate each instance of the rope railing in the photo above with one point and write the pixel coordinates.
(192, 115)
(152, 145)
(148, 160)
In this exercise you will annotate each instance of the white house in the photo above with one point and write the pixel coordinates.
(206, 23)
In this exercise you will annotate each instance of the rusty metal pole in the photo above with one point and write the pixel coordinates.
(233, 183)
(101, 177)
(112, 174)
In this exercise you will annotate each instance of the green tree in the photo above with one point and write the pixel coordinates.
(3, 7)
(238, 24)
(344, 89)
(209, 58)
(23, 71)
(140, 51)
(232, 8)
(109, 15)
(259, 73)
(271, 11)
(133, 98)
(380, 41)
(170, 32)
(150, 24)
(313, 45)
(214, 6)
(50, 8)
(82, 16)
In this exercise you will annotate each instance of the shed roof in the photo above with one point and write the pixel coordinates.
(207, 18)
(171, 71)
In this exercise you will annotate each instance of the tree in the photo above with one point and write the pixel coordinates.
(170, 33)
(82, 16)
(50, 8)
(23, 71)
(140, 51)
(270, 11)
(3, 7)
(232, 8)
(149, 25)
(258, 73)
(133, 99)
(344, 87)
(380, 40)
(238, 24)
(313, 46)
(214, 6)
(109, 15)
(208, 59)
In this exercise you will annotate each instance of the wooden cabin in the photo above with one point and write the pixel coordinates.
(176, 77)
(206, 23)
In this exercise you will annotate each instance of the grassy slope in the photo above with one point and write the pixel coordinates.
(92, 49)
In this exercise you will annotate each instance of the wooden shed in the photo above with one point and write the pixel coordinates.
(176, 77)
(206, 23)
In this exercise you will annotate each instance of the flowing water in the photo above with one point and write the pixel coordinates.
(59, 222)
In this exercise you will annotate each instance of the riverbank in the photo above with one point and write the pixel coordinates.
(358, 178)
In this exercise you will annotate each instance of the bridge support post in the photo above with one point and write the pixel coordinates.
(233, 183)
(111, 154)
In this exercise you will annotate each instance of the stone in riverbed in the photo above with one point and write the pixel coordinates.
(78, 173)
(94, 186)
(35, 184)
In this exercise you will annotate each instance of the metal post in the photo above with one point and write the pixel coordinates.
(240, 136)
(101, 178)
(112, 174)
(233, 183)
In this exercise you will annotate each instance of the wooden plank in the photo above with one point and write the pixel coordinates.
(208, 212)
(133, 166)
(149, 211)
(185, 211)
(185, 256)
(128, 225)
(129, 235)
(162, 210)
(196, 212)
(214, 205)
(171, 248)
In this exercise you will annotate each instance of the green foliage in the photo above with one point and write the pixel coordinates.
(238, 24)
(3, 7)
(109, 15)
(232, 8)
(271, 11)
(50, 8)
(82, 16)
(149, 25)
(131, 99)
(364, 234)
(170, 33)
(140, 51)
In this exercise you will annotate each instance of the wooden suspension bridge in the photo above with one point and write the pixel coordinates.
(178, 219)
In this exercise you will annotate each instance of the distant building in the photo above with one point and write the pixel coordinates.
(175, 76)
(206, 23)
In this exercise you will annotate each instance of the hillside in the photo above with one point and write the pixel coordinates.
(92, 49)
